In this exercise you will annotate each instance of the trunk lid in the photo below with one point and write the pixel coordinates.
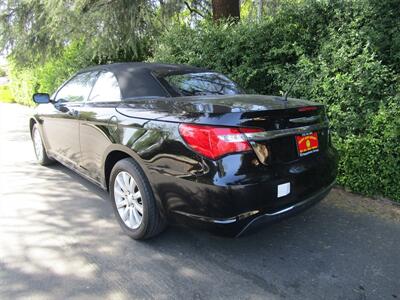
(268, 112)
(281, 120)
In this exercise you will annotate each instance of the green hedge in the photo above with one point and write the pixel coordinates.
(344, 53)
(2, 72)
(46, 77)
(5, 94)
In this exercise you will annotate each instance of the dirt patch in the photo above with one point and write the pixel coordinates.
(359, 204)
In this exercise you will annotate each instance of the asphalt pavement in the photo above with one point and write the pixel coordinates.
(59, 240)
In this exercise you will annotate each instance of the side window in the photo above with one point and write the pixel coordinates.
(77, 89)
(106, 88)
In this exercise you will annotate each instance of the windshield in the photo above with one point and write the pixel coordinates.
(206, 83)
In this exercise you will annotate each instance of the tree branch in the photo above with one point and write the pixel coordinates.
(193, 10)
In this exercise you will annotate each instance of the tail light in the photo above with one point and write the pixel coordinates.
(307, 108)
(214, 142)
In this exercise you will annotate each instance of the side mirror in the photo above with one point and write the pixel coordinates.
(41, 98)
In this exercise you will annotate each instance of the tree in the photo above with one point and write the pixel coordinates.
(223, 9)
(259, 9)
(32, 31)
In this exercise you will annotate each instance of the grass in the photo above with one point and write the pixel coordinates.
(5, 94)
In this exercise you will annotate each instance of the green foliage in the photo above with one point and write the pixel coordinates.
(345, 54)
(342, 53)
(23, 85)
(25, 81)
(2, 72)
(370, 162)
(34, 30)
(5, 94)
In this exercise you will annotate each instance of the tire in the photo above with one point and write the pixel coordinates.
(40, 151)
(127, 181)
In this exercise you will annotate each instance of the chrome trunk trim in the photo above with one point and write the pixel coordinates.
(268, 135)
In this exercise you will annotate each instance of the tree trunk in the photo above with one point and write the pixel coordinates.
(223, 9)
(259, 9)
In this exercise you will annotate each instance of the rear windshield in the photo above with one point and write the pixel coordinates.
(205, 83)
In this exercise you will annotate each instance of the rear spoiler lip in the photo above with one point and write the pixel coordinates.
(268, 135)
(303, 120)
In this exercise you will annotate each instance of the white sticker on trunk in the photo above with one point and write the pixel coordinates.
(283, 189)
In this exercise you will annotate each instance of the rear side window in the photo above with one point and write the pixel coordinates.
(77, 89)
(106, 88)
(204, 83)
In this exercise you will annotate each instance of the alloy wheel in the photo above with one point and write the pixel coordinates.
(128, 200)
(37, 143)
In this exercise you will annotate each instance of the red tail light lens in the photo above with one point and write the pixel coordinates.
(307, 108)
(214, 142)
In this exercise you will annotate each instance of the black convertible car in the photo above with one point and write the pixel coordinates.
(174, 143)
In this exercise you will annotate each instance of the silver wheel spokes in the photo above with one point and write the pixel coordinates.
(128, 199)
(37, 142)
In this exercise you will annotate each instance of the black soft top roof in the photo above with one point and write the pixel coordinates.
(138, 79)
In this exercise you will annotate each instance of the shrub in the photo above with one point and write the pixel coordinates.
(370, 162)
(23, 84)
(345, 54)
(5, 94)
(25, 81)
(3, 72)
(342, 53)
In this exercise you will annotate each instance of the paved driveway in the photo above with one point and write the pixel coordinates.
(59, 239)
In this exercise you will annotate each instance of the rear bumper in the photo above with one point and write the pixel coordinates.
(245, 222)
(286, 212)
(233, 197)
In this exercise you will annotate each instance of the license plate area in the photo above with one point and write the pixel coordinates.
(307, 143)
